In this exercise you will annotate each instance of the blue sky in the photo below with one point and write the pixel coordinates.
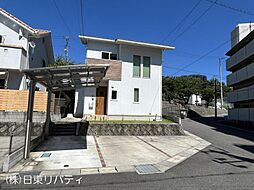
(143, 20)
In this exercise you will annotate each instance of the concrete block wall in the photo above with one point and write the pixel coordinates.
(11, 116)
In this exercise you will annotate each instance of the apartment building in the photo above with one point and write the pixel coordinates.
(241, 79)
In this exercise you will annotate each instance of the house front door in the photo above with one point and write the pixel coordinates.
(101, 101)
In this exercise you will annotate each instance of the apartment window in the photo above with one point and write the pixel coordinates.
(1, 39)
(113, 56)
(136, 95)
(146, 66)
(114, 95)
(136, 65)
(105, 55)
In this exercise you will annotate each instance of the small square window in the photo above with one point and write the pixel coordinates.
(105, 55)
(113, 56)
(114, 95)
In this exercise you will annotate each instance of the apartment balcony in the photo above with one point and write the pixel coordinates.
(244, 53)
(244, 94)
(12, 57)
(241, 114)
(241, 75)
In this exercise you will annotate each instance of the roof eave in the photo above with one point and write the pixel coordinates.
(144, 44)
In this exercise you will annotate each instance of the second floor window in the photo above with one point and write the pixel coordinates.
(136, 65)
(108, 55)
(146, 66)
(105, 55)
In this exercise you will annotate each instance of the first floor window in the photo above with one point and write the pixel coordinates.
(136, 95)
(136, 65)
(114, 95)
(146, 66)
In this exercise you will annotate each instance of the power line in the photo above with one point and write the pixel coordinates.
(82, 16)
(201, 57)
(180, 24)
(61, 16)
(231, 8)
(209, 52)
(188, 71)
(78, 16)
(194, 22)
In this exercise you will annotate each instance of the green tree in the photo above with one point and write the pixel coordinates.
(61, 61)
(182, 87)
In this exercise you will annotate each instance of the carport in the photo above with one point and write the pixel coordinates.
(68, 77)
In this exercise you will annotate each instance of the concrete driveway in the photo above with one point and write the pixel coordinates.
(77, 155)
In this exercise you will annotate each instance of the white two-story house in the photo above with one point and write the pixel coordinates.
(21, 47)
(132, 87)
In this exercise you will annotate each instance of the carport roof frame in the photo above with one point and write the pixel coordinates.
(68, 77)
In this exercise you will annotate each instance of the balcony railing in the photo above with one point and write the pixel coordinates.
(241, 75)
(241, 55)
(243, 94)
(241, 114)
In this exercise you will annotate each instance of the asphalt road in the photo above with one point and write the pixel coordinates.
(226, 164)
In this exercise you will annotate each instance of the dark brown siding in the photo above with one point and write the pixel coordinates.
(114, 71)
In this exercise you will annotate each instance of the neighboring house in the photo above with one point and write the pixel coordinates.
(132, 87)
(241, 64)
(21, 47)
(195, 99)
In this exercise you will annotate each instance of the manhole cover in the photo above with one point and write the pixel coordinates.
(45, 155)
(147, 169)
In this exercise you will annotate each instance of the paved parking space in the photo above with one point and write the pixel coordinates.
(107, 154)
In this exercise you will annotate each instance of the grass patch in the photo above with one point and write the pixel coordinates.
(131, 121)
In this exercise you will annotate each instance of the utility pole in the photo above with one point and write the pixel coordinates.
(215, 98)
(221, 89)
(66, 49)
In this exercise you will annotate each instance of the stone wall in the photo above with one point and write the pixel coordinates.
(19, 128)
(133, 129)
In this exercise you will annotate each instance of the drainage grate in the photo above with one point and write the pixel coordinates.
(147, 169)
(45, 155)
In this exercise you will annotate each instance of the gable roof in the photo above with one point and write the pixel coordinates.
(85, 39)
(32, 31)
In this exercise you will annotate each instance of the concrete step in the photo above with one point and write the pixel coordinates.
(64, 129)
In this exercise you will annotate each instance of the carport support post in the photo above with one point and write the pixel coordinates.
(29, 119)
(48, 119)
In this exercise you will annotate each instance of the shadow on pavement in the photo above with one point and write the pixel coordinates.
(224, 128)
(249, 148)
(63, 143)
(222, 156)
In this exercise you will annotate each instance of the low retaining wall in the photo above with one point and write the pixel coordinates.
(19, 128)
(132, 129)
(12, 159)
(17, 131)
